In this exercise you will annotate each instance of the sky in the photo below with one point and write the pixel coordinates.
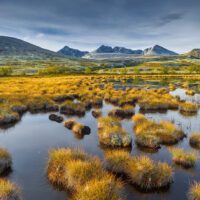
(87, 24)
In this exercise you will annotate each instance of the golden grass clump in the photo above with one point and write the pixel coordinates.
(72, 108)
(190, 92)
(194, 191)
(96, 113)
(126, 111)
(188, 108)
(151, 134)
(80, 129)
(9, 191)
(81, 174)
(195, 140)
(183, 158)
(107, 188)
(77, 128)
(8, 117)
(5, 160)
(112, 134)
(140, 171)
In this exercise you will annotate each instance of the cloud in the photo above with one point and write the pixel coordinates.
(170, 18)
(86, 24)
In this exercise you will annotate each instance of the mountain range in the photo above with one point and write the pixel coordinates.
(10, 46)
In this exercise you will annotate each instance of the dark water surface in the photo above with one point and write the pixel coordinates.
(30, 140)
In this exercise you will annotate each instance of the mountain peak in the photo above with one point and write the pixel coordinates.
(70, 52)
(157, 50)
(117, 49)
(104, 49)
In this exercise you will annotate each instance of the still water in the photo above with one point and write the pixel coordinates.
(30, 140)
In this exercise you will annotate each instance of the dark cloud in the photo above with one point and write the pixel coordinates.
(88, 23)
(170, 18)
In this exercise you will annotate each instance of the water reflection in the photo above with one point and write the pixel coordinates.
(30, 140)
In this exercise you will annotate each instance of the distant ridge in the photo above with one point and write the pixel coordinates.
(75, 53)
(123, 50)
(158, 50)
(195, 53)
(10, 46)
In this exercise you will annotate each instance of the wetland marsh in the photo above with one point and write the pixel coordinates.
(32, 136)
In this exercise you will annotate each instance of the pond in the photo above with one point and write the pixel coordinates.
(30, 140)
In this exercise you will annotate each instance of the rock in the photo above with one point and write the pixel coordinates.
(81, 129)
(54, 117)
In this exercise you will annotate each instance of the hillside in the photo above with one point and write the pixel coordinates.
(15, 47)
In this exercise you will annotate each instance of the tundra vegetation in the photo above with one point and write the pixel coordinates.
(9, 190)
(112, 134)
(195, 140)
(184, 158)
(82, 175)
(140, 171)
(194, 191)
(74, 96)
(77, 128)
(5, 160)
(151, 134)
(63, 94)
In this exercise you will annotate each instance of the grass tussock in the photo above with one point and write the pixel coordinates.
(184, 158)
(151, 134)
(9, 190)
(82, 174)
(126, 111)
(140, 171)
(96, 113)
(194, 191)
(188, 108)
(195, 140)
(112, 134)
(5, 160)
(77, 128)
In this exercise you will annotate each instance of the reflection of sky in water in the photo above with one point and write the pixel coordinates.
(30, 140)
(181, 92)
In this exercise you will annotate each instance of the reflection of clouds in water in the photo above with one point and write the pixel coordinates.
(181, 92)
(35, 133)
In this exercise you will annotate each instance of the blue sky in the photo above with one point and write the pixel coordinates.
(86, 24)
